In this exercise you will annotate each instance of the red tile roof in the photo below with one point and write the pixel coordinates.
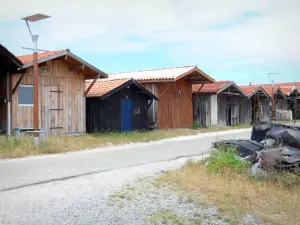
(285, 88)
(210, 88)
(29, 58)
(101, 87)
(250, 90)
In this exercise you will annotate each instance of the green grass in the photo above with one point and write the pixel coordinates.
(14, 147)
(225, 158)
(165, 217)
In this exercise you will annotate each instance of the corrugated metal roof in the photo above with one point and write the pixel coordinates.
(163, 74)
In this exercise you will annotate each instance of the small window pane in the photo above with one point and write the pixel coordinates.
(25, 95)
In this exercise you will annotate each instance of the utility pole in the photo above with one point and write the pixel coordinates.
(34, 38)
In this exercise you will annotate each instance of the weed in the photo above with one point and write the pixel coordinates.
(166, 217)
(119, 195)
(189, 199)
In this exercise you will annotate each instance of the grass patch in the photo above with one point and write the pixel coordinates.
(165, 217)
(224, 159)
(273, 201)
(14, 147)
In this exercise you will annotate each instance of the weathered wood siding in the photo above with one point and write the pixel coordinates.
(3, 106)
(61, 100)
(235, 110)
(282, 104)
(201, 109)
(105, 115)
(228, 110)
(152, 111)
(222, 110)
(175, 108)
(265, 108)
(245, 111)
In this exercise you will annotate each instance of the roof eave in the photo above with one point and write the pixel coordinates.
(131, 81)
(196, 69)
(11, 57)
(258, 89)
(68, 53)
(232, 84)
(97, 71)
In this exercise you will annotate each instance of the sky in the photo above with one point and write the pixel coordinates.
(235, 40)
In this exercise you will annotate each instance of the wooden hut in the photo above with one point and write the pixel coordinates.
(118, 105)
(8, 64)
(62, 92)
(217, 103)
(173, 87)
(256, 106)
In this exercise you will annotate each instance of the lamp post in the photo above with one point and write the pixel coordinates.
(273, 100)
(34, 38)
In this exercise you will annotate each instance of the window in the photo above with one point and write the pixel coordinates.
(25, 95)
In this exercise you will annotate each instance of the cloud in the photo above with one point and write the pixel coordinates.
(219, 31)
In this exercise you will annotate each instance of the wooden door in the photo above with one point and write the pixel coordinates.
(53, 110)
(126, 115)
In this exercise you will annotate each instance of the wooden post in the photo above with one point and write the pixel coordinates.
(92, 84)
(36, 94)
(198, 91)
(254, 117)
(273, 103)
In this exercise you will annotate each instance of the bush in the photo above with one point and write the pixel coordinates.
(224, 159)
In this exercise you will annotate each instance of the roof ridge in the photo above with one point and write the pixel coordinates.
(59, 50)
(106, 80)
(154, 69)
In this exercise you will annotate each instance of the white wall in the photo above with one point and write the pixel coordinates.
(214, 109)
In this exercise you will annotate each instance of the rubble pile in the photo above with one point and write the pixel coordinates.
(271, 146)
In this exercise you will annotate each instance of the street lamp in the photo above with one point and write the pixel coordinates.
(34, 38)
(273, 100)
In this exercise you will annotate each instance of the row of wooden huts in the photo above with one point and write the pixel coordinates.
(76, 97)
(226, 103)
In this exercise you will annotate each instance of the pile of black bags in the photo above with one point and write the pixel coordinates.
(270, 146)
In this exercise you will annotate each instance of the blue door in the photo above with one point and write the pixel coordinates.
(126, 115)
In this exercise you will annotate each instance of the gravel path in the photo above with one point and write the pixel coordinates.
(121, 196)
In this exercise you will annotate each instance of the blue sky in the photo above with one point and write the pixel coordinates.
(240, 40)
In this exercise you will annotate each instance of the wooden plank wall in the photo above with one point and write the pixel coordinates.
(3, 106)
(58, 76)
(224, 102)
(245, 111)
(175, 108)
(201, 109)
(235, 110)
(282, 104)
(222, 109)
(152, 111)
